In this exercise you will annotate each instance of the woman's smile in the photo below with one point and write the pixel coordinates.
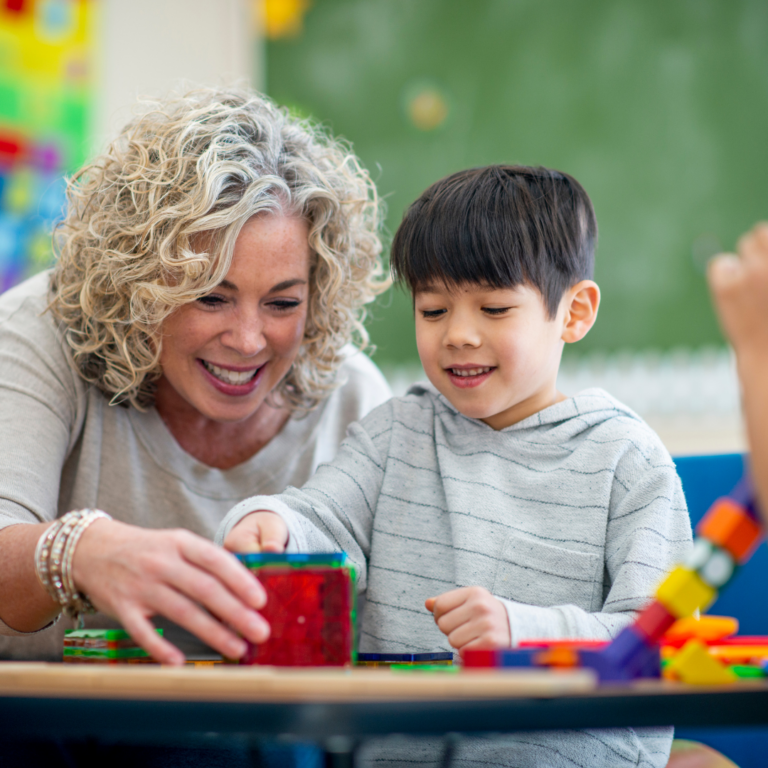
(233, 381)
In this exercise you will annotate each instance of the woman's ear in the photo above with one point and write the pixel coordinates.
(581, 304)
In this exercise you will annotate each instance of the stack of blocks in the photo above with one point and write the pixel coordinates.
(310, 609)
(726, 538)
(103, 646)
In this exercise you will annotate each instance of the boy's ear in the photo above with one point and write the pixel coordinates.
(581, 304)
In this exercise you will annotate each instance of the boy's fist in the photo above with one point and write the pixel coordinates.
(739, 286)
(471, 617)
(260, 531)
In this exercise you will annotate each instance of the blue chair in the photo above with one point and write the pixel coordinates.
(745, 597)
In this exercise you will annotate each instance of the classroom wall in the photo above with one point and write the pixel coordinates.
(147, 47)
(659, 108)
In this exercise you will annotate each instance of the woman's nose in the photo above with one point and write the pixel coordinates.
(246, 336)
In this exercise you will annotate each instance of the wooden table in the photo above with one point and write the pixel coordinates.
(171, 706)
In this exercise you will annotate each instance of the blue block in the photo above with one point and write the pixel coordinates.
(253, 559)
(517, 657)
(406, 658)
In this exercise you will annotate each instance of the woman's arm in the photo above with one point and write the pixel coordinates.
(128, 572)
(739, 286)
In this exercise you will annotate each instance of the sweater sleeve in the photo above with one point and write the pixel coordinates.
(334, 511)
(648, 531)
(39, 414)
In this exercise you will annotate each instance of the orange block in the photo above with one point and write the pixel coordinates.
(729, 526)
(708, 629)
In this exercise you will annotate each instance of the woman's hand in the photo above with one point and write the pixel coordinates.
(739, 286)
(260, 531)
(471, 617)
(133, 574)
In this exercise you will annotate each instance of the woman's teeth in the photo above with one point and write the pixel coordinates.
(469, 371)
(230, 377)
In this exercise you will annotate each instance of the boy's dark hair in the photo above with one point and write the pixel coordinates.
(500, 226)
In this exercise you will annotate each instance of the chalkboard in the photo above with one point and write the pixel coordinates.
(659, 108)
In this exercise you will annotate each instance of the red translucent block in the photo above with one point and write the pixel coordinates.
(654, 621)
(310, 613)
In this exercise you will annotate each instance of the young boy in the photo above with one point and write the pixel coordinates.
(515, 512)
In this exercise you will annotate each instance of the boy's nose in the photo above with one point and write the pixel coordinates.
(461, 333)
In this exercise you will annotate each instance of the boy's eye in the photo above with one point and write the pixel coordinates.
(427, 313)
(495, 310)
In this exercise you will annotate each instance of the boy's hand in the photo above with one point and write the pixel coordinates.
(260, 531)
(471, 617)
(739, 286)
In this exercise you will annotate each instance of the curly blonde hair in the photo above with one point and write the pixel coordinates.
(204, 163)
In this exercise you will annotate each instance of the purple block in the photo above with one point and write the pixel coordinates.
(626, 658)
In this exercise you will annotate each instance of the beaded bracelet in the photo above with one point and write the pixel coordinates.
(54, 555)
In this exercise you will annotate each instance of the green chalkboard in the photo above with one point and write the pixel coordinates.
(659, 108)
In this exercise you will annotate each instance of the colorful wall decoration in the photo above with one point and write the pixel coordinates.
(46, 49)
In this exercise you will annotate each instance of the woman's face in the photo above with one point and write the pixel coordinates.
(224, 353)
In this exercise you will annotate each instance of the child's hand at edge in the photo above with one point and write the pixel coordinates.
(259, 531)
(739, 286)
(471, 617)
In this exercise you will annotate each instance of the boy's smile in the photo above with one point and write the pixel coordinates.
(494, 353)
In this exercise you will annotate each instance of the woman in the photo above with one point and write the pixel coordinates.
(189, 349)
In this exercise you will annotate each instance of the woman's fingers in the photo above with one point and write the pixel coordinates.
(186, 613)
(133, 574)
(142, 631)
(236, 577)
(219, 601)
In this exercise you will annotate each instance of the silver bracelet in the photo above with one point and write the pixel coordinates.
(54, 555)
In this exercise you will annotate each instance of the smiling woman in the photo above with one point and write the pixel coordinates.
(197, 342)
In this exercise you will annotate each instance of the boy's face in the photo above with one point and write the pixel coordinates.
(493, 353)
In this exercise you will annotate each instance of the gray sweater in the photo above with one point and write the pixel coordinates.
(570, 517)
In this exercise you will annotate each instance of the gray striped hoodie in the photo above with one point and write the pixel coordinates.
(570, 517)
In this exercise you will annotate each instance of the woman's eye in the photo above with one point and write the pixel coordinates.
(283, 305)
(495, 310)
(428, 313)
(211, 300)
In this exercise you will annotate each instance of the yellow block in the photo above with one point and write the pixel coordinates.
(695, 666)
(683, 591)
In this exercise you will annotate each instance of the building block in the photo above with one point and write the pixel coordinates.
(444, 658)
(731, 654)
(481, 658)
(310, 609)
(565, 643)
(695, 666)
(708, 629)
(113, 646)
(731, 527)
(654, 621)
(628, 657)
(683, 592)
(719, 568)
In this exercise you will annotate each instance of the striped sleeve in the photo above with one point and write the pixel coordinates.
(334, 510)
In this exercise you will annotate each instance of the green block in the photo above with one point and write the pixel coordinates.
(747, 670)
